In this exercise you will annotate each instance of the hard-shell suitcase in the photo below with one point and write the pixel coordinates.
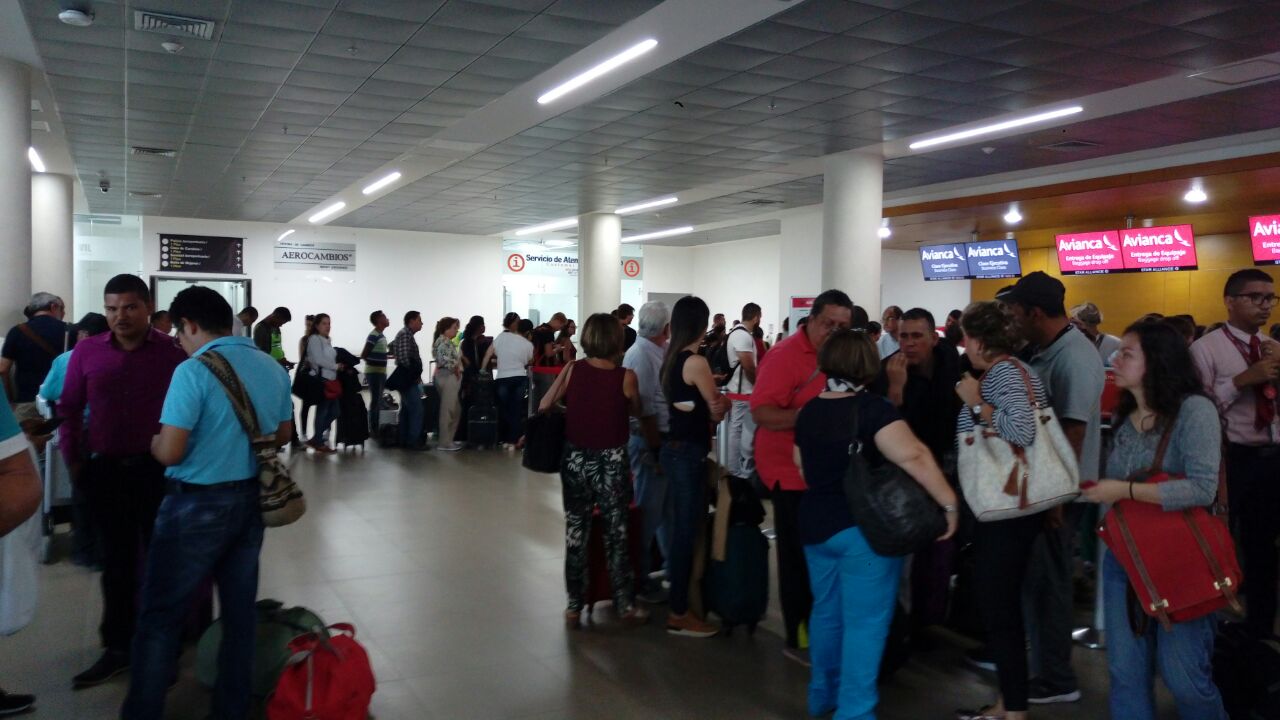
(430, 410)
(482, 425)
(598, 585)
(737, 588)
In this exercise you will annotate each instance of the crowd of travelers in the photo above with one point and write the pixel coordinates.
(150, 433)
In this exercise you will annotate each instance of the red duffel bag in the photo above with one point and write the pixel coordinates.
(1181, 564)
(325, 679)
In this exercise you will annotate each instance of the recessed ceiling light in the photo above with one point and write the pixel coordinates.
(378, 185)
(548, 227)
(36, 163)
(77, 18)
(1013, 217)
(1195, 195)
(647, 205)
(996, 127)
(659, 234)
(286, 234)
(328, 211)
(612, 63)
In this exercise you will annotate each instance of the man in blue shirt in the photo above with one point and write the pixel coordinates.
(209, 522)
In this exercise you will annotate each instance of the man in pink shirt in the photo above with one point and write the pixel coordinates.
(123, 376)
(1239, 367)
(787, 378)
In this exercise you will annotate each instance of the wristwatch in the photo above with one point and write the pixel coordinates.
(975, 409)
(950, 509)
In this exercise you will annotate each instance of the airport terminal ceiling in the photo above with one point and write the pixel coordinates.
(289, 103)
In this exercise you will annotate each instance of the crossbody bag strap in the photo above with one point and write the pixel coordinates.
(1159, 605)
(1157, 464)
(25, 329)
(1221, 582)
(236, 393)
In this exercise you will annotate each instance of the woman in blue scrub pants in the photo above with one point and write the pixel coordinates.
(853, 588)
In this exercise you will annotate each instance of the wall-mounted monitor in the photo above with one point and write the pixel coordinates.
(1158, 249)
(1264, 231)
(1089, 253)
(993, 259)
(944, 262)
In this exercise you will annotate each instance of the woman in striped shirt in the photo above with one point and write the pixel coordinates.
(1000, 401)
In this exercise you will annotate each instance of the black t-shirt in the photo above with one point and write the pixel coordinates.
(631, 337)
(691, 426)
(32, 361)
(824, 431)
(929, 404)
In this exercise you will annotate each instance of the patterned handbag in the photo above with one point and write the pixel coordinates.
(280, 498)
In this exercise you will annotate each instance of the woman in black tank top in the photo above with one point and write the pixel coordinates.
(696, 403)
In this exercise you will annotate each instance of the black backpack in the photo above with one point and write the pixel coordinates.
(895, 513)
(722, 364)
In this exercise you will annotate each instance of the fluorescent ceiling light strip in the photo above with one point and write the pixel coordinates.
(987, 129)
(327, 212)
(612, 63)
(286, 234)
(646, 205)
(36, 163)
(659, 234)
(547, 227)
(375, 187)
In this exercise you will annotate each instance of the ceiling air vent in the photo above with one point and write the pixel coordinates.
(762, 201)
(1070, 145)
(153, 152)
(141, 195)
(172, 25)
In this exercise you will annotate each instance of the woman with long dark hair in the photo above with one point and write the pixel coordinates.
(600, 396)
(513, 352)
(1160, 393)
(323, 364)
(307, 400)
(473, 348)
(695, 403)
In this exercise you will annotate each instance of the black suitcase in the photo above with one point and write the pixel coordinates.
(430, 410)
(353, 416)
(482, 425)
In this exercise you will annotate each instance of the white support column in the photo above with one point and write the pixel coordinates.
(15, 191)
(599, 264)
(52, 246)
(852, 201)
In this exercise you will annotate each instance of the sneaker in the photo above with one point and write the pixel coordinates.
(689, 625)
(653, 597)
(797, 655)
(980, 657)
(635, 617)
(13, 703)
(1040, 693)
(111, 664)
(451, 447)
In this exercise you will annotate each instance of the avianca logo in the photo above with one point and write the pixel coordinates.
(1141, 240)
(952, 254)
(1002, 251)
(1103, 243)
(1269, 229)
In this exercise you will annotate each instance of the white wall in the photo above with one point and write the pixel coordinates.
(668, 269)
(730, 275)
(903, 284)
(396, 271)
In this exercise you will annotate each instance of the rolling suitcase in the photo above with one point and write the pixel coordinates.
(598, 585)
(736, 584)
(482, 425)
(430, 410)
(353, 421)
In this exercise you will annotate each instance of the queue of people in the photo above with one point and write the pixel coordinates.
(148, 432)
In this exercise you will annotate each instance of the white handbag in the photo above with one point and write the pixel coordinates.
(1001, 480)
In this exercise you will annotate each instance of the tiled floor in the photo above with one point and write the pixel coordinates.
(449, 565)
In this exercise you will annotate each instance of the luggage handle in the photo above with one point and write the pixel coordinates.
(1159, 605)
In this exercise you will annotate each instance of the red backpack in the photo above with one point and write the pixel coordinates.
(325, 679)
(1181, 564)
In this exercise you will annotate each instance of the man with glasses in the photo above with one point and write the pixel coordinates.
(1239, 367)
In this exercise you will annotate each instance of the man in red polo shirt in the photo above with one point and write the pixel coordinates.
(788, 378)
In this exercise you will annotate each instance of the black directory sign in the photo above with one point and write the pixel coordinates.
(202, 254)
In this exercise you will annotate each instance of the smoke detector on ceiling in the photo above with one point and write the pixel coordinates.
(76, 17)
(173, 47)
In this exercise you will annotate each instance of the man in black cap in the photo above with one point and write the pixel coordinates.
(1071, 370)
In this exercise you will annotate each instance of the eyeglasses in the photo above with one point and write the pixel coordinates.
(1260, 299)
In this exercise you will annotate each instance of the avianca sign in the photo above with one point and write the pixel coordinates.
(1090, 253)
(1159, 249)
(1264, 231)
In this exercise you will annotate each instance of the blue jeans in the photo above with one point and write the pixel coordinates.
(326, 413)
(511, 407)
(684, 464)
(411, 412)
(853, 598)
(216, 532)
(655, 505)
(1182, 655)
(376, 381)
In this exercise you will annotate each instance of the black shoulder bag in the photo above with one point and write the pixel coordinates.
(895, 513)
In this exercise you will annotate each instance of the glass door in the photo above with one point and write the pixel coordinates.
(236, 292)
